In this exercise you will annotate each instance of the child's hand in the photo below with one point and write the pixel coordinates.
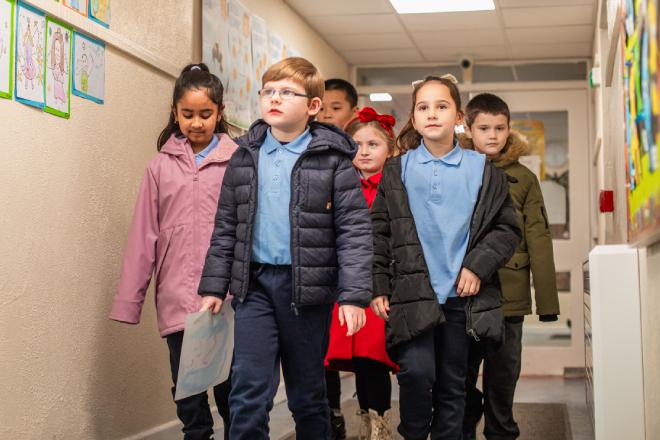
(468, 283)
(353, 316)
(381, 307)
(212, 303)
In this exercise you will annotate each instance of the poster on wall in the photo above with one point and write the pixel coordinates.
(259, 61)
(29, 56)
(80, 6)
(239, 63)
(215, 37)
(534, 131)
(276, 48)
(6, 47)
(642, 118)
(99, 11)
(88, 69)
(58, 68)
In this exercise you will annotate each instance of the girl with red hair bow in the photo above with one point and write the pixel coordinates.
(364, 353)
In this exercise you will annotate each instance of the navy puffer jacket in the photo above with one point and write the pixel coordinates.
(331, 246)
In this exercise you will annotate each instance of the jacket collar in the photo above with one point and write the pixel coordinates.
(180, 146)
(323, 136)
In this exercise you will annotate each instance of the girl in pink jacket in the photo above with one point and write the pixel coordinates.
(172, 225)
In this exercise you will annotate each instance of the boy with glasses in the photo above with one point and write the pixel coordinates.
(288, 243)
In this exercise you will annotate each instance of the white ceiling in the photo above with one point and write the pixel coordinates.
(369, 32)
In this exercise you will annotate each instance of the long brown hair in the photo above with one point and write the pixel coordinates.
(409, 138)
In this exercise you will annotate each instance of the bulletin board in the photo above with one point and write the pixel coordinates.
(639, 47)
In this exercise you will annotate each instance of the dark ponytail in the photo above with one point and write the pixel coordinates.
(194, 77)
(409, 138)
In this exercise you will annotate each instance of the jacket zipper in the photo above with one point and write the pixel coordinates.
(250, 229)
(295, 299)
(477, 213)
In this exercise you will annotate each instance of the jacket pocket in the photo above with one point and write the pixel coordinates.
(162, 247)
(519, 260)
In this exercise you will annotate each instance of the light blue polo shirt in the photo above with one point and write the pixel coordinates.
(271, 243)
(443, 193)
(199, 157)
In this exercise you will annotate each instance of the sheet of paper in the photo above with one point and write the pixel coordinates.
(207, 351)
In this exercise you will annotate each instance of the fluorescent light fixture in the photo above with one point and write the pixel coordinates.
(429, 6)
(380, 97)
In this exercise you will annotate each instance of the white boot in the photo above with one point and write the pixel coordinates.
(381, 426)
(364, 432)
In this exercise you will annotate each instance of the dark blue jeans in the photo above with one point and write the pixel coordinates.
(268, 332)
(432, 378)
(194, 411)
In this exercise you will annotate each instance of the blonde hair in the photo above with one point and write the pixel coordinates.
(300, 71)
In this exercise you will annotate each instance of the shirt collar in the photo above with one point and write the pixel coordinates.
(373, 180)
(452, 158)
(205, 152)
(297, 146)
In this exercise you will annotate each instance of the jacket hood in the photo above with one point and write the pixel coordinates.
(516, 146)
(323, 135)
(179, 146)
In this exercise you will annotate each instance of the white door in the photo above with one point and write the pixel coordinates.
(561, 116)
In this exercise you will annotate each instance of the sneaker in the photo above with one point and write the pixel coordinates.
(338, 425)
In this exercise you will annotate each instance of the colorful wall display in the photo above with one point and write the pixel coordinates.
(58, 68)
(29, 56)
(99, 11)
(80, 6)
(88, 69)
(642, 118)
(6, 48)
(238, 47)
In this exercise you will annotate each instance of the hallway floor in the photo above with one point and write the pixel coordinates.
(529, 390)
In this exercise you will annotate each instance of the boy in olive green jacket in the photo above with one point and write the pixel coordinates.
(487, 128)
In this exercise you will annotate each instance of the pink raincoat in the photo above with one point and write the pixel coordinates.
(170, 234)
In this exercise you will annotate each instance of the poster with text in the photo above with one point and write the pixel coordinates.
(58, 68)
(29, 56)
(259, 61)
(88, 69)
(6, 47)
(99, 11)
(80, 6)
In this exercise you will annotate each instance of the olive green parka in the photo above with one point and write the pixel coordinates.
(534, 253)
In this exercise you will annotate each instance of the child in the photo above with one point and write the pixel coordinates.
(339, 103)
(339, 107)
(365, 353)
(487, 129)
(288, 243)
(443, 224)
(172, 224)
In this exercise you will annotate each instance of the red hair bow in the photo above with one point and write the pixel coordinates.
(368, 114)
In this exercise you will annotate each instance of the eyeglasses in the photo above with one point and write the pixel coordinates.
(285, 94)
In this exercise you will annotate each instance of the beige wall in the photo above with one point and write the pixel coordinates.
(67, 189)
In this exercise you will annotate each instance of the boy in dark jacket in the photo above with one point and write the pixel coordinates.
(487, 119)
(288, 243)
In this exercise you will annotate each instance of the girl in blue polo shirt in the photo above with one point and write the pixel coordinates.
(443, 224)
